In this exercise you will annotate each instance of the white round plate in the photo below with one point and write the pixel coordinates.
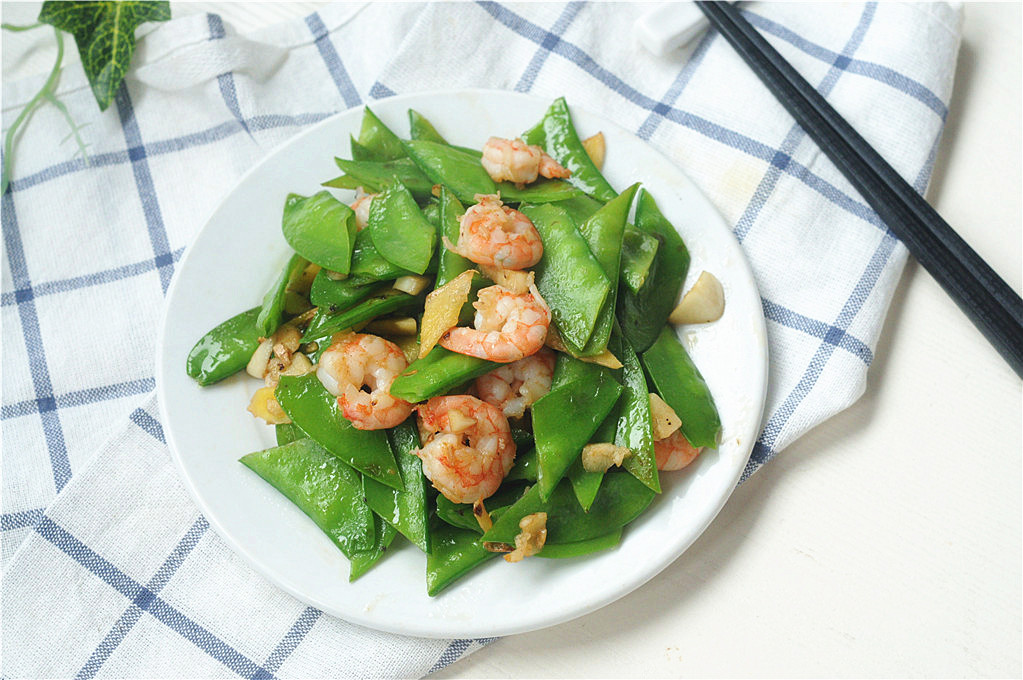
(233, 262)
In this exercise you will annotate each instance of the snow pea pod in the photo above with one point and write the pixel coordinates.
(368, 263)
(431, 211)
(604, 232)
(526, 467)
(568, 276)
(586, 484)
(642, 315)
(566, 418)
(580, 208)
(638, 252)
(272, 311)
(287, 433)
(438, 372)
(315, 410)
(364, 560)
(540, 191)
(460, 514)
(449, 264)
(620, 500)
(635, 426)
(680, 384)
(557, 135)
(326, 324)
(225, 350)
(421, 128)
(580, 548)
(406, 510)
(374, 176)
(361, 153)
(321, 229)
(399, 231)
(377, 140)
(322, 486)
(335, 296)
(455, 553)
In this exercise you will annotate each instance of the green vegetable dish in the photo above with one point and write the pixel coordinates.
(476, 354)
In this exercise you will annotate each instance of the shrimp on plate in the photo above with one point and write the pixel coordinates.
(361, 206)
(515, 161)
(516, 386)
(507, 327)
(493, 234)
(359, 360)
(674, 452)
(467, 447)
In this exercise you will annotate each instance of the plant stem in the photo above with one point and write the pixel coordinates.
(17, 29)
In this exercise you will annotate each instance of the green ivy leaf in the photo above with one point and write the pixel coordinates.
(105, 35)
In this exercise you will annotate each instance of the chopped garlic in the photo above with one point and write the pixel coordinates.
(599, 457)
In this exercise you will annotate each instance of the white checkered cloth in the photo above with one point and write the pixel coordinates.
(109, 569)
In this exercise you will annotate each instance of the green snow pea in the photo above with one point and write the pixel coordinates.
(399, 231)
(638, 252)
(557, 135)
(449, 264)
(377, 140)
(568, 276)
(522, 437)
(374, 176)
(604, 232)
(287, 433)
(455, 552)
(406, 510)
(580, 548)
(321, 229)
(680, 384)
(322, 486)
(620, 500)
(326, 324)
(634, 430)
(225, 350)
(642, 315)
(368, 263)
(527, 465)
(460, 514)
(461, 172)
(272, 311)
(361, 153)
(438, 372)
(421, 128)
(364, 560)
(315, 410)
(431, 211)
(586, 484)
(566, 418)
(580, 208)
(336, 296)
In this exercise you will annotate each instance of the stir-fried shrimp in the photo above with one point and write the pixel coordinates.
(493, 234)
(355, 361)
(467, 447)
(674, 452)
(513, 387)
(507, 327)
(515, 161)
(361, 207)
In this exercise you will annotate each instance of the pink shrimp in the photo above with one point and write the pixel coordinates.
(493, 234)
(358, 360)
(507, 327)
(514, 161)
(513, 387)
(361, 206)
(467, 447)
(674, 452)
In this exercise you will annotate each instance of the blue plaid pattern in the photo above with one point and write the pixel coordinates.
(59, 392)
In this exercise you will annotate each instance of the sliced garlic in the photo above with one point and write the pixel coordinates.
(705, 302)
(663, 417)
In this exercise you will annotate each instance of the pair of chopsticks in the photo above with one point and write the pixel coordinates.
(986, 299)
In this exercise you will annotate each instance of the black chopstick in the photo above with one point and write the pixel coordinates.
(984, 297)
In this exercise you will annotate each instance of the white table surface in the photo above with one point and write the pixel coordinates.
(886, 542)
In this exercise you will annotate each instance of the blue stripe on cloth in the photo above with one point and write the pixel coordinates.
(453, 653)
(89, 395)
(881, 74)
(332, 59)
(226, 80)
(306, 620)
(696, 123)
(146, 188)
(818, 329)
(90, 280)
(20, 519)
(134, 612)
(796, 134)
(552, 38)
(380, 91)
(148, 423)
(41, 384)
(145, 599)
(685, 74)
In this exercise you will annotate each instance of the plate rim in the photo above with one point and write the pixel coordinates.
(626, 586)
